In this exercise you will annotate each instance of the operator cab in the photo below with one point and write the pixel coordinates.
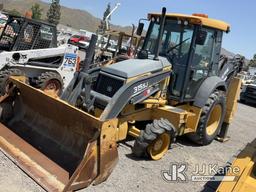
(192, 44)
(21, 33)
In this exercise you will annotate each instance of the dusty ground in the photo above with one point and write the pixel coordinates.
(141, 175)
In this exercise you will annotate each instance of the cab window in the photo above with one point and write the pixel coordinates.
(202, 58)
(201, 63)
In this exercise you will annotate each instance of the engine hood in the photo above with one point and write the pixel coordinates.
(134, 67)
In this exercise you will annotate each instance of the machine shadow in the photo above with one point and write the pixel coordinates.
(180, 142)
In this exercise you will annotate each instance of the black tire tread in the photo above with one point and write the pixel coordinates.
(151, 132)
(45, 77)
(198, 137)
(4, 76)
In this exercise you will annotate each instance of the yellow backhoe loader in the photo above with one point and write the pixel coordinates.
(175, 86)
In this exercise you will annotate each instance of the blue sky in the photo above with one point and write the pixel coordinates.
(240, 14)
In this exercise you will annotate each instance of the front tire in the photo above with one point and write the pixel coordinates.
(50, 82)
(211, 119)
(155, 140)
(4, 77)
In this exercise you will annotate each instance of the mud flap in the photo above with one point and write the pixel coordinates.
(61, 147)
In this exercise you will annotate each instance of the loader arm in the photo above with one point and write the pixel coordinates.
(11, 59)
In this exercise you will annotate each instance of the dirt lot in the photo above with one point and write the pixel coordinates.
(142, 175)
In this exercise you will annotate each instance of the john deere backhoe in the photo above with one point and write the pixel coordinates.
(175, 86)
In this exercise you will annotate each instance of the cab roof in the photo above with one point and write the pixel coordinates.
(196, 19)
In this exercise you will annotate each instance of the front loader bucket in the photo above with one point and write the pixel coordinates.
(61, 147)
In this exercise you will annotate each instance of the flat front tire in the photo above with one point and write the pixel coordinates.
(155, 140)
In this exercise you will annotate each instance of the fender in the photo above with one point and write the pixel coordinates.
(206, 89)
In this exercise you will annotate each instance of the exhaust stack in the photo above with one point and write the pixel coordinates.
(160, 34)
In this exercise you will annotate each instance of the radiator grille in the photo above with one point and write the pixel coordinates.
(107, 85)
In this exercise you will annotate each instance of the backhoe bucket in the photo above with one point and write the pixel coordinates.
(61, 147)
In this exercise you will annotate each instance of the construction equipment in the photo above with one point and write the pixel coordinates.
(115, 46)
(244, 176)
(49, 69)
(21, 33)
(173, 88)
(29, 47)
(248, 93)
(119, 46)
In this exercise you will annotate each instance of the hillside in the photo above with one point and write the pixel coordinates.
(227, 53)
(78, 19)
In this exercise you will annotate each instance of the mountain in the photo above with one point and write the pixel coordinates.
(78, 19)
(227, 53)
(75, 18)
(230, 54)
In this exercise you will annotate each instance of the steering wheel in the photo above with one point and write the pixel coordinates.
(172, 56)
(176, 46)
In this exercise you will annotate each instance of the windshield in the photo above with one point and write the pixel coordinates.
(176, 40)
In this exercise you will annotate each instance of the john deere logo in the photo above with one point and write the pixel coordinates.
(109, 89)
(201, 173)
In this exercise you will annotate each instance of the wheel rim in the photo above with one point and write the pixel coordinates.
(214, 120)
(159, 147)
(53, 86)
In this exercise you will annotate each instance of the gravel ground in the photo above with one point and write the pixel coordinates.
(142, 175)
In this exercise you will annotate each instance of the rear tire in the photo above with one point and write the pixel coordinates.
(160, 132)
(211, 119)
(4, 76)
(50, 81)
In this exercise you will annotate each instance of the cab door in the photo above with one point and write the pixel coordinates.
(204, 61)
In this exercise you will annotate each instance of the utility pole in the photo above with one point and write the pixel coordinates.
(109, 15)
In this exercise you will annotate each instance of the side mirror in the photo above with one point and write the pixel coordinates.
(201, 37)
(140, 29)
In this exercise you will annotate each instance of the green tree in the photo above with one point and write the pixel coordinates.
(252, 62)
(103, 27)
(36, 11)
(13, 12)
(54, 12)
